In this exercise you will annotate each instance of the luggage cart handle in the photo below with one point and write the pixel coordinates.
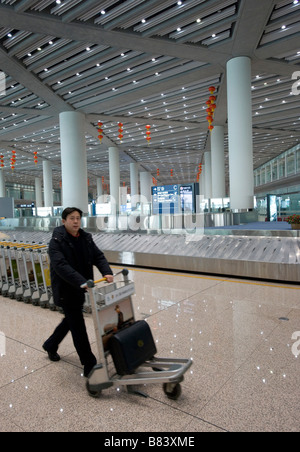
(90, 284)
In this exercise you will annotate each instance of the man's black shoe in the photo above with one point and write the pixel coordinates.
(52, 356)
(88, 369)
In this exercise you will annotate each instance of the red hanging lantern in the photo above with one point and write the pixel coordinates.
(172, 173)
(2, 161)
(211, 107)
(157, 172)
(120, 131)
(13, 160)
(148, 133)
(100, 131)
(35, 157)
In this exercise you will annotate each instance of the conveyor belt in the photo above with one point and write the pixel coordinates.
(269, 258)
(259, 257)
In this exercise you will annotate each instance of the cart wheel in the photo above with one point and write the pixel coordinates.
(172, 390)
(94, 394)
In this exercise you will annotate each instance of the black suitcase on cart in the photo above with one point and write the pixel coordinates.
(132, 347)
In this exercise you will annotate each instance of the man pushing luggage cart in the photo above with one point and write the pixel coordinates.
(73, 254)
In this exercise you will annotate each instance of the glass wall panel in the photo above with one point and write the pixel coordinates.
(290, 164)
(275, 171)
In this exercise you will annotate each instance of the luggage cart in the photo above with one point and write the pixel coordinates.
(16, 287)
(23, 277)
(37, 285)
(104, 302)
(43, 274)
(5, 270)
(9, 271)
(16, 273)
(30, 285)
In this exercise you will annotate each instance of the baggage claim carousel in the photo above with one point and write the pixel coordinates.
(262, 254)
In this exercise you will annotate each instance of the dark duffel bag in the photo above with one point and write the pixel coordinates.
(132, 347)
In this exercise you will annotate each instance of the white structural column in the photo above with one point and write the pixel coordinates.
(48, 184)
(2, 184)
(218, 162)
(38, 192)
(146, 183)
(73, 160)
(146, 195)
(99, 189)
(114, 176)
(134, 184)
(202, 182)
(240, 133)
(207, 170)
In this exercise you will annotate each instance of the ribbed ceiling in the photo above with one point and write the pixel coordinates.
(142, 62)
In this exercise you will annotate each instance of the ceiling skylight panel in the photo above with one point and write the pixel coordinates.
(63, 6)
(116, 12)
(14, 38)
(172, 9)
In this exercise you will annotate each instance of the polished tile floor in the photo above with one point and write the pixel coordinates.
(242, 336)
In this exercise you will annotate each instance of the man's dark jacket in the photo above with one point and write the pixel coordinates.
(68, 270)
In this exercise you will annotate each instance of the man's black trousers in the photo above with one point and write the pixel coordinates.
(75, 323)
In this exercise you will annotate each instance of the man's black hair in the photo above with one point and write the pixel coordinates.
(69, 210)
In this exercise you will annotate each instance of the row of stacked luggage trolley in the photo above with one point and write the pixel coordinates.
(25, 273)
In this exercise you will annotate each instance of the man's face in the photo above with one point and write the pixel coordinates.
(73, 223)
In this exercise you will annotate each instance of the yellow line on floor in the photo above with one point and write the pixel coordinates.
(185, 275)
